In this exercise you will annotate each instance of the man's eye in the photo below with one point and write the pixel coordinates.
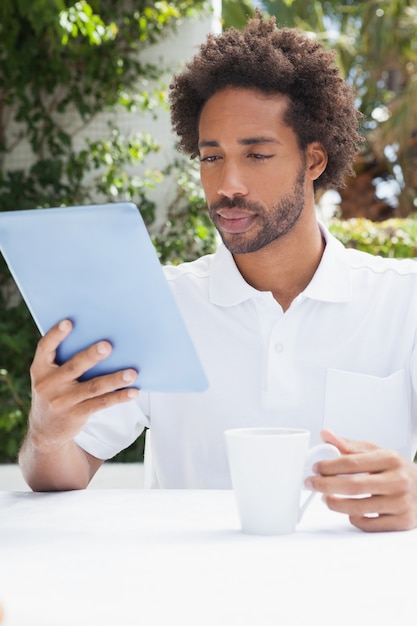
(209, 159)
(259, 157)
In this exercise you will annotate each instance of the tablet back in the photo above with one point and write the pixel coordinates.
(96, 265)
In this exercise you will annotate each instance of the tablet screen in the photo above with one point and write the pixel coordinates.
(97, 266)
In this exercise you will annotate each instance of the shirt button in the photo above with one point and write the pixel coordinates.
(279, 347)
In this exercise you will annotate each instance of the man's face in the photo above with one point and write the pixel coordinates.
(252, 170)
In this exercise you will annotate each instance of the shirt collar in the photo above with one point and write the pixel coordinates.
(227, 285)
(332, 280)
(330, 283)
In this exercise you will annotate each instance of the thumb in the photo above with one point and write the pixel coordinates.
(346, 446)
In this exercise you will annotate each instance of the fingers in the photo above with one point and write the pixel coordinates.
(385, 523)
(378, 472)
(81, 411)
(97, 393)
(46, 372)
(357, 485)
(61, 404)
(60, 393)
(44, 361)
(346, 446)
(357, 457)
(361, 463)
(83, 361)
(377, 489)
(48, 344)
(377, 513)
(368, 505)
(54, 420)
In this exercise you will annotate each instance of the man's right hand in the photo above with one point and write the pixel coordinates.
(61, 405)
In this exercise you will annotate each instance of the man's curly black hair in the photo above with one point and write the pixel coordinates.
(273, 60)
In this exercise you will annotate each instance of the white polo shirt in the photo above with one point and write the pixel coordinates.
(343, 356)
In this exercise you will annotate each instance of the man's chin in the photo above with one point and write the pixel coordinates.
(236, 246)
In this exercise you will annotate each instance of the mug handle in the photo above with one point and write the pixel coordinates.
(321, 452)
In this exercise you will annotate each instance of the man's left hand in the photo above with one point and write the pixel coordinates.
(376, 488)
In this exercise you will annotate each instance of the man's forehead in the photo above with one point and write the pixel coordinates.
(248, 115)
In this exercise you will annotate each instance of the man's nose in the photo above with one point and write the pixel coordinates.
(231, 182)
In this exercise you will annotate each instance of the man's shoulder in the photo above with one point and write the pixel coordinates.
(199, 268)
(359, 260)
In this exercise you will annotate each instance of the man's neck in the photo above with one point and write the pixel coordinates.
(286, 266)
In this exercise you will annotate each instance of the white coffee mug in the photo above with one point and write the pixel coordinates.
(268, 467)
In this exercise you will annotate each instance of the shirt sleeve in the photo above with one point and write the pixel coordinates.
(111, 430)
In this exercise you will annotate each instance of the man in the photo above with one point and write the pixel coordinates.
(291, 328)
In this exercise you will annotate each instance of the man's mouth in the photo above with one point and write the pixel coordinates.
(234, 221)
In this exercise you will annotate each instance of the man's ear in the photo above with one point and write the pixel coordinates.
(316, 157)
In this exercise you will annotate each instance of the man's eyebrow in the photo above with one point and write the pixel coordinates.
(208, 144)
(247, 141)
(250, 141)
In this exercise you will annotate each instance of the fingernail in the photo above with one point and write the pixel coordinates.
(102, 348)
(308, 484)
(132, 393)
(129, 376)
(64, 325)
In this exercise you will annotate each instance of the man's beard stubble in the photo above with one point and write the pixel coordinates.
(275, 224)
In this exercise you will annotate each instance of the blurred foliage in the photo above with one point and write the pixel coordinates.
(395, 237)
(236, 12)
(376, 49)
(18, 337)
(188, 232)
(65, 60)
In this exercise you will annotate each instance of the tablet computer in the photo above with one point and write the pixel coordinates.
(96, 265)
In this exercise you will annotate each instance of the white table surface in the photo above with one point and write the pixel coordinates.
(155, 558)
